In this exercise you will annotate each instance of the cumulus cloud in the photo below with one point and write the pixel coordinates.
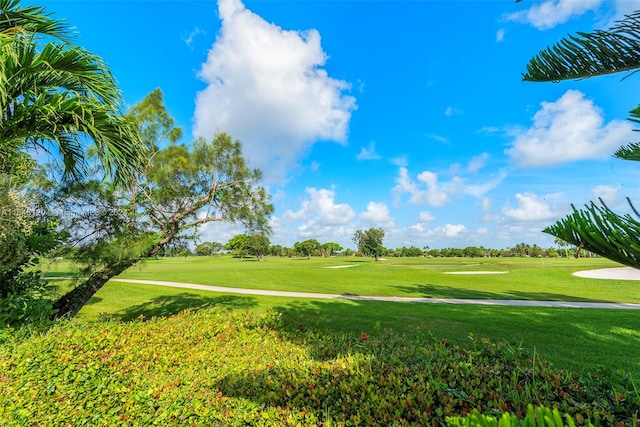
(550, 13)
(267, 88)
(377, 213)
(427, 190)
(321, 209)
(451, 230)
(448, 230)
(533, 208)
(368, 153)
(608, 193)
(425, 216)
(500, 34)
(570, 129)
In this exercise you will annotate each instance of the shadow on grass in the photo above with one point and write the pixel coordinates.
(168, 305)
(578, 340)
(440, 291)
(572, 338)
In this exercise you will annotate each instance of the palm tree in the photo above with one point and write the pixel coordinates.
(597, 228)
(54, 94)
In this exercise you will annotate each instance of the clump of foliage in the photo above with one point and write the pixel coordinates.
(211, 368)
(541, 417)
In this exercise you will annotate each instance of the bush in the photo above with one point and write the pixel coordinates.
(245, 369)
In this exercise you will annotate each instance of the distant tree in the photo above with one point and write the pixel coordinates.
(473, 252)
(597, 228)
(435, 252)
(536, 251)
(306, 247)
(552, 253)
(330, 248)
(208, 248)
(411, 251)
(276, 250)
(238, 245)
(257, 245)
(369, 241)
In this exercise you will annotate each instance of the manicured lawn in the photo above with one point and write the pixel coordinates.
(576, 339)
(537, 279)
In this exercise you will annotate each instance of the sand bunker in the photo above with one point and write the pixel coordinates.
(475, 272)
(618, 273)
(341, 266)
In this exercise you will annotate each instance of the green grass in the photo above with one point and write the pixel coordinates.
(529, 279)
(575, 339)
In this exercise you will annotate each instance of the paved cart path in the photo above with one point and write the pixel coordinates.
(613, 273)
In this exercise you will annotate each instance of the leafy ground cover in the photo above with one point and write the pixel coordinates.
(213, 368)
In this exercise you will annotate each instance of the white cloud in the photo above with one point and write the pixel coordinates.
(188, 39)
(425, 216)
(485, 206)
(266, 87)
(451, 230)
(377, 213)
(426, 190)
(608, 193)
(368, 153)
(477, 162)
(550, 13)
(321, 209)
(479, 190)
(532, 208)
(500, 34)
(400, 161)
(438, 138)
(452, 111)
(570, 129)
(448, 231)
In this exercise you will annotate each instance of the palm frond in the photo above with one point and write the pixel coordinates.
(590, 54)
(600, 230)
(59, 66)
(29, 20)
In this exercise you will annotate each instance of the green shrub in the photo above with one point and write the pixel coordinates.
(209, 368)
(540, 417)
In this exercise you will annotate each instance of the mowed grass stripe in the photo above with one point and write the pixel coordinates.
(529, 279)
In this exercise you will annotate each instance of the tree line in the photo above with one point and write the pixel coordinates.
(243, 245)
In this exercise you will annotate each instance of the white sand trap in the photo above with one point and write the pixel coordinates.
(475, 272)
(341, 266)
(618, 273)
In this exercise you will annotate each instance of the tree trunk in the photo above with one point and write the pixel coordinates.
(70, 304)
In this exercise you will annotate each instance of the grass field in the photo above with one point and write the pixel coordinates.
(575, 339)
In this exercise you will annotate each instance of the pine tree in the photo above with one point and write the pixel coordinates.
(596, 227)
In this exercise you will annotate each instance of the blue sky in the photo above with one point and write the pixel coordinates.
(410, 116)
